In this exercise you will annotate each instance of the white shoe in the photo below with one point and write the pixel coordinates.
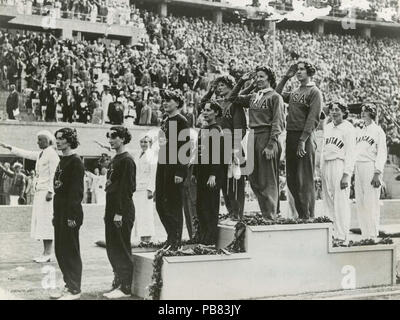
(42, 259)
(106, 294)
(116, 294)
(70, 296)
(59, 294)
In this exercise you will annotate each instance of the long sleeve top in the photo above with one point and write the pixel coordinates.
(210, 154)
(120, 186)
(339, 143)
(145, 115)
(371, 146)
(233, 117)
(265, 110)
(12, 101)
(46, 164)
(169, 151)
(17, 182)
(68, 188)
(145, 171)
(305, 106)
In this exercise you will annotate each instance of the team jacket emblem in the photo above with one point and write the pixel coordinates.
(334, 140)
(367, 139)
(299, 98)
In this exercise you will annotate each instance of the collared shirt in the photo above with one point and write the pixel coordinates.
(339, 143)
(371, 146)
(45, 168)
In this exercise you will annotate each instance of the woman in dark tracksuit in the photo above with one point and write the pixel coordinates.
(120, 213)
(305, 107)
(171, 169)
(209, 173)
(232, 120)
(68, 214)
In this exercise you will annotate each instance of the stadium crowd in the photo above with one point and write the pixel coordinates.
(67, 77)
(91, 82)
(104, 11)
(375, 6)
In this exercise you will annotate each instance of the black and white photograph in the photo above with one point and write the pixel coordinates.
(199, 150)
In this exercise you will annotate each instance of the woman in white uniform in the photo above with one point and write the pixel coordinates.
(145, 185)
(371, 158)
(101, 187)
(42, 209)
(337, 166)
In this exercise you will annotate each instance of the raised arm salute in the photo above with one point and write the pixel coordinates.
(233, 121)
(42, 208)
(305, 106)
(266, 119)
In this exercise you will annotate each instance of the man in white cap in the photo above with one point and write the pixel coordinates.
(42, 210)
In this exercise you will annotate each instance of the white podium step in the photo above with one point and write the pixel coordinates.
(279, 260)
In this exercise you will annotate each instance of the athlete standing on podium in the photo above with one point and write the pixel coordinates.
(305, 106)
(337, 166)
(171, 171)
(370, 162)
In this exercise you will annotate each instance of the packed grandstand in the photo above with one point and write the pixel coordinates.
(65, 79)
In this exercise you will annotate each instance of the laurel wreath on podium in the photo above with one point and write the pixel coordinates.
(236, 246)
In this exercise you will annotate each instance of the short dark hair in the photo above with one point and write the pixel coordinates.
(270, 73)
(311, 70)
(371, 108)
(70, 135)
(121, 132)
(174, 95)
(342, 107)
(229, 81)
(215, 106)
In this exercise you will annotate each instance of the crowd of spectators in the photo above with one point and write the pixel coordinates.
(104, 11)
(375, 6)
(83, 81)
(16, 184)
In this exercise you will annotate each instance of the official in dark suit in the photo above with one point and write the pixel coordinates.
(12, 102)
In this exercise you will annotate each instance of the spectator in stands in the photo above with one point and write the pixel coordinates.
(106, 100)
(6, 181)
(145, 115)
(98, 113)
(68, 105)
(17, 187)
(30, 187)
(116, 112)
(51, 104)
(12, 102)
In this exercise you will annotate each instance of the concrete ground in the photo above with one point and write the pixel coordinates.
(21, 278)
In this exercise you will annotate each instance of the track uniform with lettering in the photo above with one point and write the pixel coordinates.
(267, 120)
(305, 106)
(371, 158)
(337, 158)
